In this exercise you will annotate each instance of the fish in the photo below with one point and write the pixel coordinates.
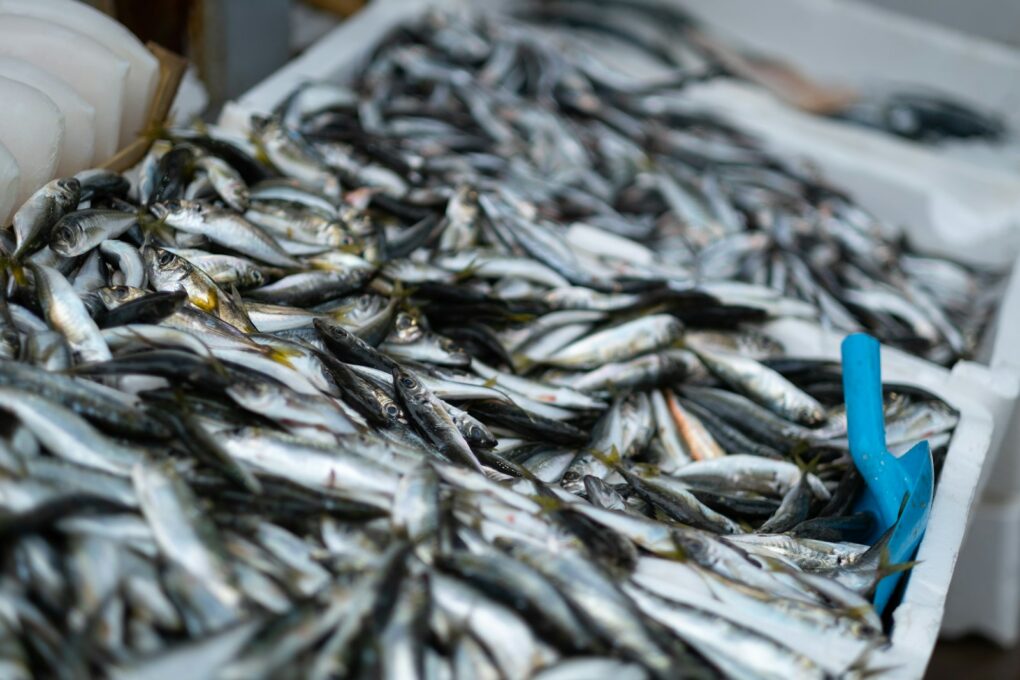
(67, 315)
(82, 230)
(432, 420)
(37, 216)
(169, 272)
(223, 227)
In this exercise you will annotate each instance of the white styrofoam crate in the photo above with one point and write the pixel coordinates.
(958, 194)
(1001, 351)
(984, 597)
(918, 616)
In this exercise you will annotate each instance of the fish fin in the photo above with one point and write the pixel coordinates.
(679, 554)
(806, 467)
(882, 544)
(234, 296)
(519, 317)
(523, 363)
(401, 292)
(773, 563)
(797, 450)
(860, 669)
(17, 272)
(468, 270)
(282, 356)
(549, 503)
(611, 459)
(887, 568)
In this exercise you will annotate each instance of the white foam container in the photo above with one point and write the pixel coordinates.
(1001, 351)
(987, 601)
(984, 597)
(962, 199)
(984, 398)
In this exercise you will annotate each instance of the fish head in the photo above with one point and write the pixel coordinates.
(252, 278)
(408, 387)
(114, 296)
(453, 349)
(406, 328)
(259, 123)
(178, 211)
(481, 437)
(255, 395)
(66, 192)
(67, 235)
(268, 130)
(166, 270)
(393, 412)
(338, 237)
(334, 330)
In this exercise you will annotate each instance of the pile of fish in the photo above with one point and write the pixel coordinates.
(641, 160)
(673, 39)
(430, 379)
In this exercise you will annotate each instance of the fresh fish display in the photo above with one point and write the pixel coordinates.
(462, 372)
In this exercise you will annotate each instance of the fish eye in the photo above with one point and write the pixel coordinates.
(165, 259)
(407, 382)
(392, 410)
(64, 233)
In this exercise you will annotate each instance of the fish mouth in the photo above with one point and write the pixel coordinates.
(159, 211)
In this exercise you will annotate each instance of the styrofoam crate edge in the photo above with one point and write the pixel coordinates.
(1004, 476)
(984, 597)
(997, 390)
(917, 620)
(999, 349)
(1005, 349)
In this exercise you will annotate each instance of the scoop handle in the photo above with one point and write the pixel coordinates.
(862, 389)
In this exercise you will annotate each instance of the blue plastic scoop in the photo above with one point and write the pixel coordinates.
(904, 482)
